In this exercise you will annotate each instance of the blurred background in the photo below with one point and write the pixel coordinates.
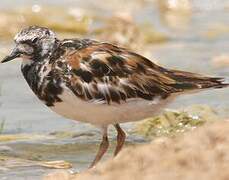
(191, 35)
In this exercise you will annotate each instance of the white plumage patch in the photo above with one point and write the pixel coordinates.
(101, 114)
(26, 62)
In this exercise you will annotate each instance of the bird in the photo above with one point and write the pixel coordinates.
(98, 82)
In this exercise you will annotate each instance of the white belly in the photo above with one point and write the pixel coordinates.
(100, 114)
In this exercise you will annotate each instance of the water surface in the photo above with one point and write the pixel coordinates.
(190, 49)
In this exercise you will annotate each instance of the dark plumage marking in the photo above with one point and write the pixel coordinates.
(184, 86)
(99, 68)
(60, 64)
(116, 60)
(76, 45)
(31, 75)
(76, 88)
(44, 69)
(47, 32)
(130, 92)
(86, 59)
(58, 52)
(118, 64)
(84, 75)
(140, 68)
(51, 93)
(145, 96)
(52, 89)
(114, 95)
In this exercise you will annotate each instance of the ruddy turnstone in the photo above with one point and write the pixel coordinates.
(97, 82)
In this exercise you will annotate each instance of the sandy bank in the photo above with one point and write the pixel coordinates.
(200, 154)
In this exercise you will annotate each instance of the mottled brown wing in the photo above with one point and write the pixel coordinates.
(107, 73)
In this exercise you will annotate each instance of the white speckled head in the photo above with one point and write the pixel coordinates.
(34, 33)
(33, 43)
(41, 38)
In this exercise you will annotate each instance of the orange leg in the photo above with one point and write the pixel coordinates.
(120, 139)
(102, 148)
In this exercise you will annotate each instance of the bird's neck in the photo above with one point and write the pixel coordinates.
(32, 67)
(47, 49)
(40, 79)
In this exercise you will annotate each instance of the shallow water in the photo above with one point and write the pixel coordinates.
(191, 49)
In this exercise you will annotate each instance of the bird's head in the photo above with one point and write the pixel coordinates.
(32, 43)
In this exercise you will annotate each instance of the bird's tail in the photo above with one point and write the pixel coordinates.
(192, 81)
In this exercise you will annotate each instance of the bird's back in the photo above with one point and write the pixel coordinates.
(104, 72)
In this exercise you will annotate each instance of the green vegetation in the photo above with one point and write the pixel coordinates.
(171, 123)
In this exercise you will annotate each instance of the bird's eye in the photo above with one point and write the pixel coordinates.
(34, 40)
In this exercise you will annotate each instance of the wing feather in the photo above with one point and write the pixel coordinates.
(102, 72)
